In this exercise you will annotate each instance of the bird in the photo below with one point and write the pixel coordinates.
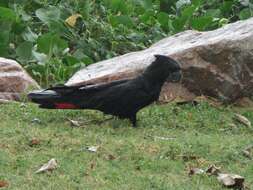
(121, 98)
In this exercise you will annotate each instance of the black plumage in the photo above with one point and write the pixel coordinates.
(121, 98)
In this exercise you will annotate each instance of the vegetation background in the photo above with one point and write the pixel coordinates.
(54, 38)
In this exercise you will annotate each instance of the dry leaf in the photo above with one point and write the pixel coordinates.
(74, 123)
(247, 151)
(213, 170)
(92, 165)
(23, 105)
(36, 120)
(111, 157)
(3, 183)
(232, 125)
(93, 148)
(249, 147)
(194, 171)
(197, 100)
(138, 168)
(164, 138)
(34, 142)
(51, 165)
(231, 180)
(71, 21)
(243, 120)
(187, 158)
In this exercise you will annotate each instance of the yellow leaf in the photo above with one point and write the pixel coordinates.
(71, 21)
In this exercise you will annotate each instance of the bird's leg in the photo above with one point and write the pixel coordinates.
(133, 120)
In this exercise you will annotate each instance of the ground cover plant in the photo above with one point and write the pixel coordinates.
(170, 139)
(53, 38)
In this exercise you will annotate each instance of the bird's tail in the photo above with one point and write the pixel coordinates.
(58, 97)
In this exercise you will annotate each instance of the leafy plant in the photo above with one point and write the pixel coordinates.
(40, 36)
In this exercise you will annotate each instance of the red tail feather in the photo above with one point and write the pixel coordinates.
(65, 106)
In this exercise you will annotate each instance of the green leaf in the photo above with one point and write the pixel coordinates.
(87, 60)
(18, 28)
(70, 60)
(7, 14)
(24, 16)
(51, 44)
(24, 51)
(188, 11)
(49, 14)
(57, 27)
(226, 8)
(82, 57)
(223, 22)
(3, 50)
(178, 24)
(213, 12)
(5, 33)
(40, 57)
(121, 19)
(29, 35)
(147, 17)
(79, 54)
(146, 4)
(3, 3)
(163, 19)
(197, 2)
(119, 6)
(245, 14)
(201, 23)
(4, 37)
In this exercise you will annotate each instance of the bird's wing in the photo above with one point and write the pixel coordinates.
(63, 89)
(102, 86)
(67, 97)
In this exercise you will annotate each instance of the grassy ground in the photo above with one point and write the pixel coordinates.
(128, 158)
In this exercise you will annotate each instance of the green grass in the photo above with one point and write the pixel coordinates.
(199, 136)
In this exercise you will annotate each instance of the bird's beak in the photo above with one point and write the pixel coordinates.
(175, 77)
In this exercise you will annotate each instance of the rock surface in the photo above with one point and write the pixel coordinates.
(217, 63)
(14, 81)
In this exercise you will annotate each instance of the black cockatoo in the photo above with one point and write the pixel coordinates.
(121, 98)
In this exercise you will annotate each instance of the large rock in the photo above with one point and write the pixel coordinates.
(14, 81)
(217, 63)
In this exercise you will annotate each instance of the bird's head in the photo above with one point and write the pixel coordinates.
(163, 69)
